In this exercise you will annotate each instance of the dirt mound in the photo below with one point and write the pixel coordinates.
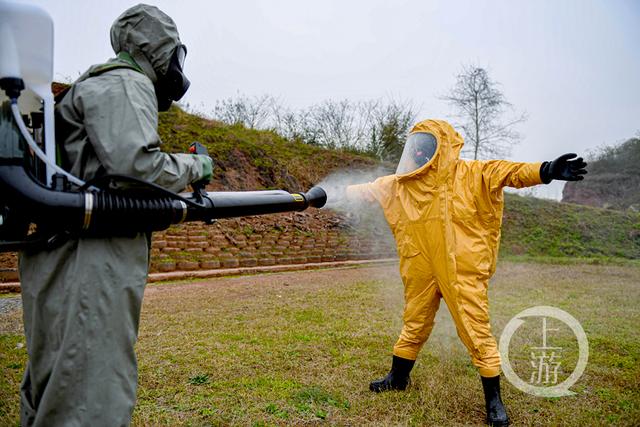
(248, 159)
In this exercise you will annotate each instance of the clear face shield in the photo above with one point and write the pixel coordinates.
(418, 150)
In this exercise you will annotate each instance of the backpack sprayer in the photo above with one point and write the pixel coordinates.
(41, 204)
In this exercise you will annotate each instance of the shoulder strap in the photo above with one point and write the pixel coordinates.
(126, 61)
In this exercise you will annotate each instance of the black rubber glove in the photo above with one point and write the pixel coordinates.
(563, 169)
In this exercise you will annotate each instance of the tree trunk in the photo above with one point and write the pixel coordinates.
(477, 142)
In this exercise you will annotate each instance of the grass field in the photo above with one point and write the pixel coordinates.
(301, 348)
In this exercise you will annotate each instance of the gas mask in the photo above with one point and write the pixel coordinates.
(418, 150)
(173, 84)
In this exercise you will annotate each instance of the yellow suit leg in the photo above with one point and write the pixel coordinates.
(469, 308)
(422, 300)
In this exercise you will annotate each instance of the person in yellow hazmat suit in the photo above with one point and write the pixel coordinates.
(445, 214)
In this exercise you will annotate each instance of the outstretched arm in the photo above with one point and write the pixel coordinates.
(497, 174)
(360, 192)
(502, 173)
(381, 190)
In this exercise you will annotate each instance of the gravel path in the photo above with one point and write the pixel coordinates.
(7, 305)
(10, 304)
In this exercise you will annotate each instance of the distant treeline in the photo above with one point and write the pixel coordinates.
(623, 158)
(377, 127)
(613, 180)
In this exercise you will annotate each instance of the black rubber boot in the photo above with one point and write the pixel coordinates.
(397, 378)
(496, 412)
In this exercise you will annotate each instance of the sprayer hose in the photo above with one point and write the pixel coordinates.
(115, 213)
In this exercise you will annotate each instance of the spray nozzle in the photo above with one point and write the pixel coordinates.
(316, 197)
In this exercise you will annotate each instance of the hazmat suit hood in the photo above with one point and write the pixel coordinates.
(147, 34)
(432, 145)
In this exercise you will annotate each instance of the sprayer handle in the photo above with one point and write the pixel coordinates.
(199, 187)
(197, 148)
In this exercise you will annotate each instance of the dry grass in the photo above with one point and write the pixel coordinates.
(300, 348)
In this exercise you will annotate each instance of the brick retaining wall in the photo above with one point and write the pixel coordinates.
(196, 246)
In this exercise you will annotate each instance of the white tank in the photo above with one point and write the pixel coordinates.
(26, 52)
(26, 44)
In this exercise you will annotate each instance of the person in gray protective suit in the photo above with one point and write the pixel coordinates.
(82, 299)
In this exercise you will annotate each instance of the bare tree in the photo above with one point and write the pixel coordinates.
(373, 126)
(480, 107)
(337, 124)
(252, 112)
(293, 125)
(390, 125)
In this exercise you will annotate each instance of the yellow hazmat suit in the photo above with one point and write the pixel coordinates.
(446, 217)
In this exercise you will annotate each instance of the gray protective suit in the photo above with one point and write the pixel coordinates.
(82, 300)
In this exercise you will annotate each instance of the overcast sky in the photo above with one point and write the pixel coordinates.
(572, 65)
